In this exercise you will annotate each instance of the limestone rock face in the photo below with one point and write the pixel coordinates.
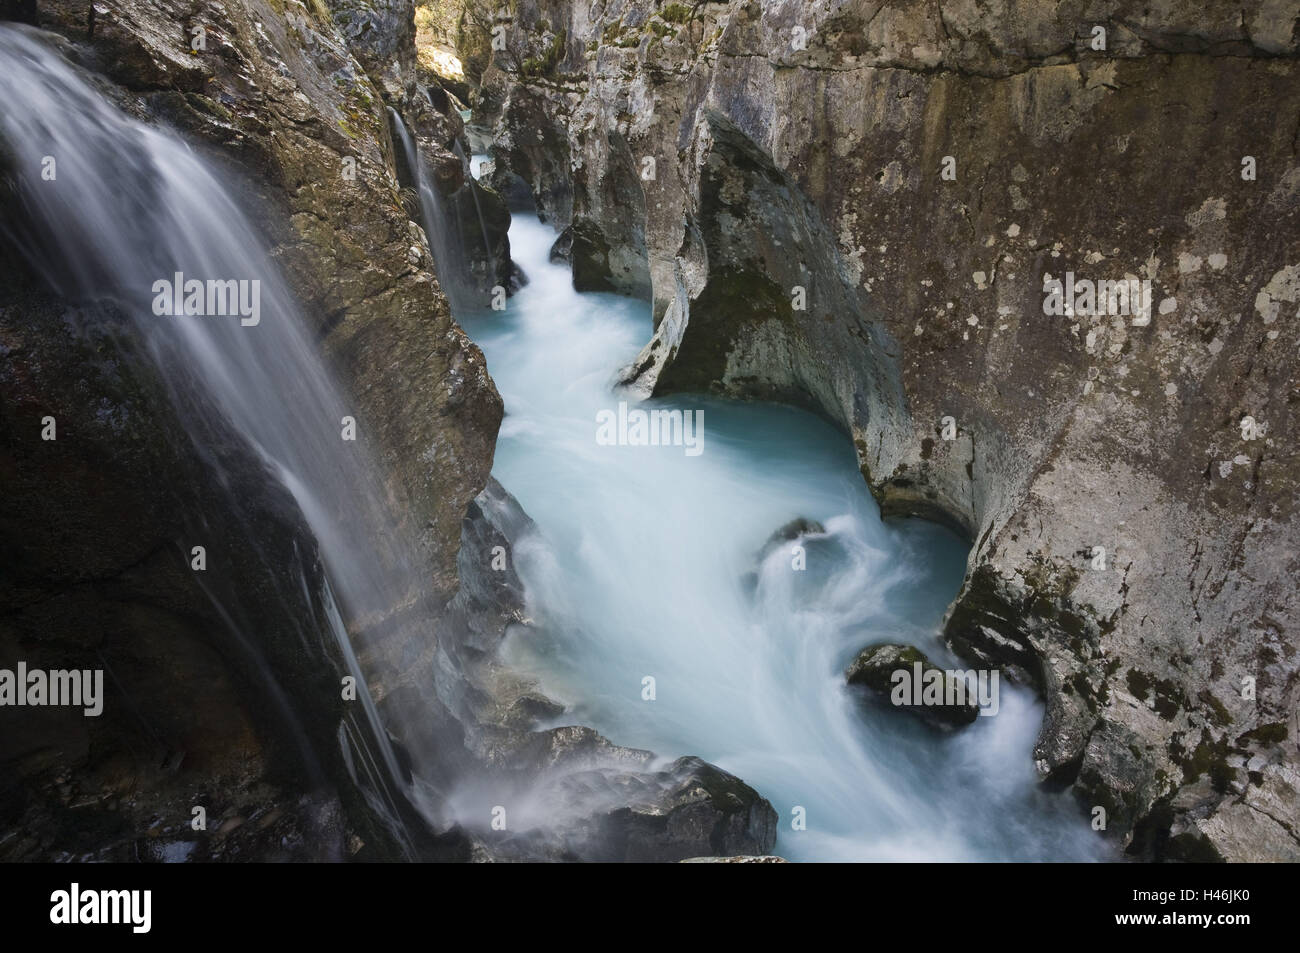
(856, 207)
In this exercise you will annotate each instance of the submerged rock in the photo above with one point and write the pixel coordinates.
(880, 668)
(791, 531)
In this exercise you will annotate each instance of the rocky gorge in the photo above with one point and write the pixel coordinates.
(855, 206)
(229, 694)
(852, 208)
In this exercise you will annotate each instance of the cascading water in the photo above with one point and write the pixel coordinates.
(130, 206)
(647, 566)
(443, 226)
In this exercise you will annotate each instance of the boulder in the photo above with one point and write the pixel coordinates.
(877, 669)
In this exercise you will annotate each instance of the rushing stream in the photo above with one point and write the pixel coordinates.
(646, 565)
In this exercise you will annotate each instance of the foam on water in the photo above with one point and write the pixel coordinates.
(646, 564)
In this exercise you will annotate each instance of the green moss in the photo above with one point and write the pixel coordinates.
(1210, 757)
(733, 303)
(875, 665)
(209, 107)
(1218, 713)
(677, 13)
(1271, 734)
(911, 655)
(1166, 696)
(549, 58)
(615, 34)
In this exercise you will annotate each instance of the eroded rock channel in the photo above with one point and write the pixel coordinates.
(363, 590)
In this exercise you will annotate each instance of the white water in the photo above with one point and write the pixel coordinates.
(641, 571)
(132, 204)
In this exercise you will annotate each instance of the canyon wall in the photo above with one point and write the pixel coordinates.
(854, 206)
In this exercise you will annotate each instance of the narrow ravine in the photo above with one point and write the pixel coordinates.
(647, 565)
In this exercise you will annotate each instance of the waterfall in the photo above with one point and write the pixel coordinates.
(472, 185)
(126, 211)
(444, 226)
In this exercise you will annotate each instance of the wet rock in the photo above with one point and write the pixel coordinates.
(491, 596)
(569, 793)
(562, 250)
(605, 803)
(473, 259)
(531, 708)
(879, 669)
(704, 808)
(124, 493)
(791, 531)
(764, 859)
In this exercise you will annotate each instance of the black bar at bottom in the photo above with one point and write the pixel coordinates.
(441, 902)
